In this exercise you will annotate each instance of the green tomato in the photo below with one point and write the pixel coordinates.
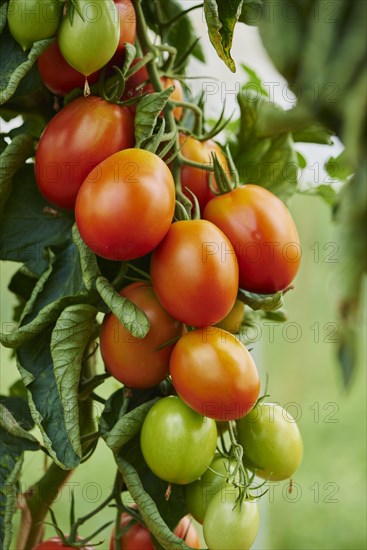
(87, 45)
(271, 441)
(230, 526)
(232, 322)
(200, 492)
(33, 20)
(177, 443)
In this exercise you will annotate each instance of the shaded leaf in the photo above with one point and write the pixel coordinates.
(11, 160)
(131, 316)
(18, 407)
(266, 302)
(326, 192)
(148, 109)
(88, 260)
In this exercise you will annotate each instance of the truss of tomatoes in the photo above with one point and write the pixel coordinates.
(124, 203)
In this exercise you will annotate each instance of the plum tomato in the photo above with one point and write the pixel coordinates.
(126, 204)
(138, 363)
(55, 543)
(59, 77)
(91, 39)
(271, 441)
(194, 273)
(127, 19)
(200, 492)
(33, 20)
(177, 443)
(77, 138)
(194, 179)
(214, 374)
(229, 525)
(263, 234)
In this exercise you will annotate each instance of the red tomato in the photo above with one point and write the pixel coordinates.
(194, 273)
(137, 537)
(138, 84)
(214, 374)
(127, 18)
(55, 544)
(195, 179)
(79, 137)
(59, 77)
(263, 234)
(133, 361)
(126, 204)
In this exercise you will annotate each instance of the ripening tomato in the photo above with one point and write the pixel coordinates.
(80, 136)
(59, 77)
(137, 362)
(137, 537)
(200, 492)
(126, 204)
(271, 441)
(138, 84)
(127, 19)
(90, 40)
(194, 273)
(263, 234)
(55, 543)
(33, 20)
(177, 443)
(232, 322)
(214, 374)
(229, 525)
(194, 179)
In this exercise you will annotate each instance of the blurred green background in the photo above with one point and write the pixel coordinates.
(327, 506)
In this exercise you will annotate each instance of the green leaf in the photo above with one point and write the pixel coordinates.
(29, 224)
(18, 407)
(314, 133)
(11, 160)
(3, 15)
(253, 82)
(251, 12)
(128, 426)
(14, 440)
(15, 63)
(148, 508)
(221, 17)
(266, 302)
(59, 286)
(131, 316)
(148, 109)
(339, 167)
(326, 192)
(73, 331)
(88, 260)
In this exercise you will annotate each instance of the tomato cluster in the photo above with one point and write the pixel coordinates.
(124, 200)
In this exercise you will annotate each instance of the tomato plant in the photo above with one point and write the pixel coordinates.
(177, 443)
(229, 525)
(33, 20)
(263, 234)
(78, 138)
(195, 180)
(214, 374)
(199, 493)
(194, 273)
(139, 363)
(271, 441)
(129, 185)
(233, 320)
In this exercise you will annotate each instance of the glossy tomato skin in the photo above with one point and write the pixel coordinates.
(138, 84)
(177, 443)
(127, 17)
(194, 273)
(194, 179)
(263, 234)
(214, 374)
(126, 204)
(59, 77)
(230, 527)
(199, 493)
(80, 136)
(138, 537)
(136, 362)
(271, 440)
(91, 39)
(33, 20)
(56, 544)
